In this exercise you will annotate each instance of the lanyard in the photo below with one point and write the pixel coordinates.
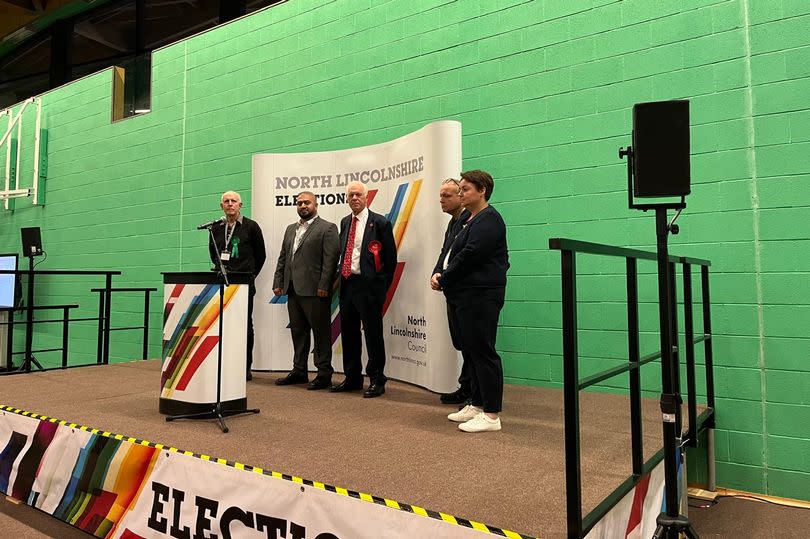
(227, 235)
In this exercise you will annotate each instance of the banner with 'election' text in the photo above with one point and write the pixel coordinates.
(116, 487)
(403, 177)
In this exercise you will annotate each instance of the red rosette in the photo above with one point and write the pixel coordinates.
(374, 247)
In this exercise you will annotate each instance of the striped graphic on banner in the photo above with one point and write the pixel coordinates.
(175, 293)
(87, 481)
(186, 348)
(8, 456)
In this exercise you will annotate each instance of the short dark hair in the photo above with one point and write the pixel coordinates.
(481, 180)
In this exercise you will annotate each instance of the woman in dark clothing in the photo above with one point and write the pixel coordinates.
(474, 281)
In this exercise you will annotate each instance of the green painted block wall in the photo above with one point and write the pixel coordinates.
(544, 91)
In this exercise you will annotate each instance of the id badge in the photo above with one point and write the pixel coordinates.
(225, 256)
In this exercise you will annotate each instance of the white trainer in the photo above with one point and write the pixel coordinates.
(481, 423)
(465, 414)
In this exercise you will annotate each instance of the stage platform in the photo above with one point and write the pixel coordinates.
(399, 446)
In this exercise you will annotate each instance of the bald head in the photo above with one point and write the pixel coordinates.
(356, 193)
(231, 204)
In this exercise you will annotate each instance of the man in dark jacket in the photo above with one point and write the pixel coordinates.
(366, 271)
(450, 201)
(240, 245)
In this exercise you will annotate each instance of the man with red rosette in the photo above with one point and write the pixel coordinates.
(365, 271)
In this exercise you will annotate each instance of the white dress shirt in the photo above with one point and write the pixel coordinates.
(302, 228)
(362, 219)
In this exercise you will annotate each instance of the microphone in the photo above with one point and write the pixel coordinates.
(210, 224)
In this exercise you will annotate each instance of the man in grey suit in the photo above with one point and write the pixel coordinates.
(305, 272)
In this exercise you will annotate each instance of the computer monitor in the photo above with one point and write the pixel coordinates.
(7, 280)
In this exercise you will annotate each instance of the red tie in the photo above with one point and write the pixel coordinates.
(346, 270)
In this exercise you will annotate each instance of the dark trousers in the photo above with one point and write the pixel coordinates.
(455, 336)
(249, 352)
(359, 304)
(477, 311)
(310, 314)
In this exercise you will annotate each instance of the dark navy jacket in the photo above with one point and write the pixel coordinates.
(479, 256)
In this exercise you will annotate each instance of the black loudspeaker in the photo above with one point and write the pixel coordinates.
(661, 149)
(31, 241)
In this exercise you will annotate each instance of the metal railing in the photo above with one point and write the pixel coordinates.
(103, 319)
(578, 526)
(144, 327)
(65, 321)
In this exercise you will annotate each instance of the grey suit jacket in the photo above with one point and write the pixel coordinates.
(313, 265)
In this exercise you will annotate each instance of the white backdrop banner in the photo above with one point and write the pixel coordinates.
(403, 178)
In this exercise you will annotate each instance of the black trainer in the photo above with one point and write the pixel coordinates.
(456, 397)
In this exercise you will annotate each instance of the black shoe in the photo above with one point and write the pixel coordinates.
(293, 378)
(319, 383)
(249, 376)
(347, 385)
(456, 397)
(374, 390)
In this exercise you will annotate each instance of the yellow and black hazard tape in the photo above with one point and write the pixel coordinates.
(415, 509)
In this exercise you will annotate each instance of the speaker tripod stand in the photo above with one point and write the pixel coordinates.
(28, 358)
(670, 523)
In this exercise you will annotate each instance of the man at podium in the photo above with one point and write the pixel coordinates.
(241, 246)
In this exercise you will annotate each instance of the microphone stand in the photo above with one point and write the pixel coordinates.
(217, 412)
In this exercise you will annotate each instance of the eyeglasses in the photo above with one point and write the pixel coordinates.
(450, 180)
